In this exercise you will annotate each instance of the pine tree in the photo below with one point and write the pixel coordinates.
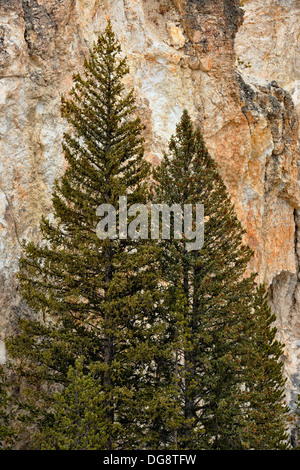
(98, 297)
(215, 321)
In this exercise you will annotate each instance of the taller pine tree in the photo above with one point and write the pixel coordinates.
(99, 297)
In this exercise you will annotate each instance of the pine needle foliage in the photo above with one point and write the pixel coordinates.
(269, 416)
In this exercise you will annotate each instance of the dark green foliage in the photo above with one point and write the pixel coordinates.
(268, 417)
(216, 298)
(7, 434)
(217, 325)
(142, 344)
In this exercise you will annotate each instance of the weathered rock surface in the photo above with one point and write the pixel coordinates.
(181, 55)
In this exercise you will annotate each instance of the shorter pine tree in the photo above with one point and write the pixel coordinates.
(78, 418)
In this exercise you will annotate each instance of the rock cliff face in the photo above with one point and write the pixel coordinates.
(182, 53)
